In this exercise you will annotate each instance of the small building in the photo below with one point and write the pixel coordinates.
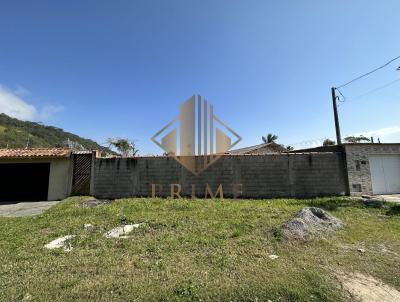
(261, 149)
(35, 174)
(372, 168)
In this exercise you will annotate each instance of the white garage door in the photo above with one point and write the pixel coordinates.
(385, 173)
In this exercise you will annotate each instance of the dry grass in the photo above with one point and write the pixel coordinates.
(200, 250)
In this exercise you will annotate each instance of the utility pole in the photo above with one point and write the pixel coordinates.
(335, 112)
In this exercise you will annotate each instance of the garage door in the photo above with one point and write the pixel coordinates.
(24, 182)
(385, 173)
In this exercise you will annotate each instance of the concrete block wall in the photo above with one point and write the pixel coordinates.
(260, 176)
(360, 153)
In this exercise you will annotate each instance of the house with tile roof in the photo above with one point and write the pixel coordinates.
(266, 148)
(35, 174)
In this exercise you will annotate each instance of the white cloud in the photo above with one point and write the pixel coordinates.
(21, 91)
(386, 135)
(12, 104)
(50, 110)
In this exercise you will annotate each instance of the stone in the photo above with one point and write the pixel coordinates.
(361, 250)
(310, 223)
(61, 243)
(88, 226)
(94, 202)
(122, 231)
(273, 257)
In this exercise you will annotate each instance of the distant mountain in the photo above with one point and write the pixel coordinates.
(19, 134)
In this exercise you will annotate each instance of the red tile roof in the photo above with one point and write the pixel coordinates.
(260, 149)
(35, 153)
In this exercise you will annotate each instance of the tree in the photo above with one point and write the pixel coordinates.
(356, 139)
(289, 148)
(328, 142)
(123, 145)
(270, 138)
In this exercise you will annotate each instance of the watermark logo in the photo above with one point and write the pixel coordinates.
(203, 137)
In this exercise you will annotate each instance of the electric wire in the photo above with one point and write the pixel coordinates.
(374, 90)
(368, 73)
(344, 98)
(366, 93)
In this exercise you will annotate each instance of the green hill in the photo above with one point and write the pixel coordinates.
(19, 134)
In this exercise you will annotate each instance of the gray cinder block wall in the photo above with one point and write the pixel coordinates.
(357, 159)
(260, 176)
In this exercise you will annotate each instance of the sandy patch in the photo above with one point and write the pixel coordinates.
(368, 289)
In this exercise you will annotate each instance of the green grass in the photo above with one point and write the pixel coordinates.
(200, 250)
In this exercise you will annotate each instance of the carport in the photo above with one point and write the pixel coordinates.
(34, 174)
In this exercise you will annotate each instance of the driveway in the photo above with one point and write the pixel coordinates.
(388, 198)
(22, 209)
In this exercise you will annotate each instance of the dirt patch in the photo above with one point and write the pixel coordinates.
(377, 249)
(311, 222)
(368, 289)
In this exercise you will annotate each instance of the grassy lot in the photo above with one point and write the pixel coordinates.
(200, 250)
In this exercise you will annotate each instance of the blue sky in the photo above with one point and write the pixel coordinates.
(121, 68)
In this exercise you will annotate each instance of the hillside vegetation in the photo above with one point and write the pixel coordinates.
(20, 134)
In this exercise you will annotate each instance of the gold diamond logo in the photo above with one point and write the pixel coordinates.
(203, 137)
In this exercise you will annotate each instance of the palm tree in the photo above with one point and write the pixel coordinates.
(269, 138)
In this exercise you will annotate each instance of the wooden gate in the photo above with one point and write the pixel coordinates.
(82, 174)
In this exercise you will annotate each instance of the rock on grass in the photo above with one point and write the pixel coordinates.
(310, 223)
(61, 243)
(120, 232)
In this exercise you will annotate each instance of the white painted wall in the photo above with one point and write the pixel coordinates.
(59, 180)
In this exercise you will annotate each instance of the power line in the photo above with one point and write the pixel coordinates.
(368, 73)
(374, 90)
(366, 93)
(344, 98)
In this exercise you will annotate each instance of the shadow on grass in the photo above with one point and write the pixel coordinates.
(394, 211)
(333, 204)
(277, 233)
